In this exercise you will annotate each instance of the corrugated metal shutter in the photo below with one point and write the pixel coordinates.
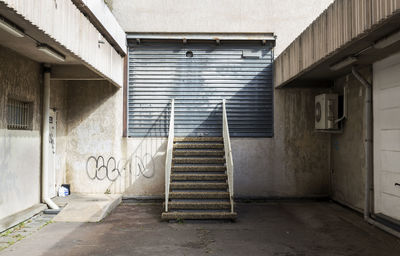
(240, 72)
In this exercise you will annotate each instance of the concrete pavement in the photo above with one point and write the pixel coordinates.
(278, 228)
(86, 208)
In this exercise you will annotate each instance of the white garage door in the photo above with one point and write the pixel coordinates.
(386, 94)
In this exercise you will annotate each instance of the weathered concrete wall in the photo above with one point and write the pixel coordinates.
(347, 149)
(145, 166)
(292, 164)
(20, 78)
(94, 129)
(58, 101)
(134, 166)
(285, 18)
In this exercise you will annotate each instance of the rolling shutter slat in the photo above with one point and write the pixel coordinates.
(159, 72)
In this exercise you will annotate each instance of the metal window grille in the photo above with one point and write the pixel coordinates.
(18, 115)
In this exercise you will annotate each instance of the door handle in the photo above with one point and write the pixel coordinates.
(397, 184)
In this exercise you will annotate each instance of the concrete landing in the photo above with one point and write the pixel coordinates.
(86, 207)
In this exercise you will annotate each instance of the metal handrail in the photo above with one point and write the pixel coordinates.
(228, 153)
(168, 160)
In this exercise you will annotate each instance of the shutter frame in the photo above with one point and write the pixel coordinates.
(160, 71)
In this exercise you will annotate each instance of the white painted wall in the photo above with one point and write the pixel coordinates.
(386, 95)
(285, 18)
(20, 78)
(20, 170)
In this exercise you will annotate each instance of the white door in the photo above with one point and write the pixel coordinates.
(386, 95)
(52, 152)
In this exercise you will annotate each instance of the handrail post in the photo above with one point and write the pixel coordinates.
(168, 159)
(228, 153)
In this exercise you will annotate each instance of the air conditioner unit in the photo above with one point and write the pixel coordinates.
(326, 111)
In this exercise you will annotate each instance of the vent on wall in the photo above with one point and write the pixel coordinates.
(19, 115)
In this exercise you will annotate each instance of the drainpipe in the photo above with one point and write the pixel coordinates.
(368, 141)
(45, 140)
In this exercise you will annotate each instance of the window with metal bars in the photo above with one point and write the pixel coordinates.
(19, 115)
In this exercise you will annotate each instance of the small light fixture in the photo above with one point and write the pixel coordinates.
(11, 28)
(387, 41)
(100, 41)
(343, 63)
(50, 52)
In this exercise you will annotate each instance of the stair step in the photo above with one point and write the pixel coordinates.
(198, 205)
(198, 188)
(199, 153)
(199, 177)
(199, 195)
(198, 160)
(199, 145)
(196, 139)
(198, 215)
(199, 168)
(198, 185)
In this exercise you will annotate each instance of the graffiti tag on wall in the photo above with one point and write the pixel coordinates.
(100, 168)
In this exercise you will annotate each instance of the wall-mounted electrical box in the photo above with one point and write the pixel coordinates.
(326, 111)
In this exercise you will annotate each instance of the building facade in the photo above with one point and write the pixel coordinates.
(355, 55)
(111, 72)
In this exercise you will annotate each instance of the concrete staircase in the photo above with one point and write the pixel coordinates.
(199, 187)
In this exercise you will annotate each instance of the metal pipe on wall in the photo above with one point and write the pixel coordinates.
(45, 139)
(368, 141)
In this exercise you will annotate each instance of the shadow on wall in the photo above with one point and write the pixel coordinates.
(141, 172)
(90, 128)
(99, 159)
(306, 150)
(84, 98)
(292, 163)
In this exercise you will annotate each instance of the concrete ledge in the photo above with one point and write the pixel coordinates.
(237, 199)
(143, 199)
(21, 216)
(87, 208)
(261, 199)
(198, 215)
